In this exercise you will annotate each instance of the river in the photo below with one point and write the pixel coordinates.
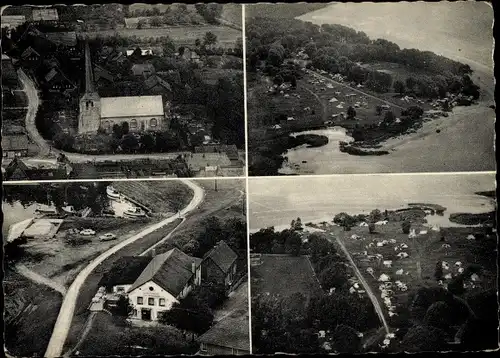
(461, 31)
(277, 201)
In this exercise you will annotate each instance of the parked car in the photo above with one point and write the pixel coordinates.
(87, 232)
(107, 237)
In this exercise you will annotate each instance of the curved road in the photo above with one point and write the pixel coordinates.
(371, 295)
(46, 149)
(66, 312)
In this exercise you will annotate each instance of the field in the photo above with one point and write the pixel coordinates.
(286, 11)
(424, 252)
(30, 313)
(182, 35)
(283, 275)
(91, 284)
(225, 203)
(159, 196)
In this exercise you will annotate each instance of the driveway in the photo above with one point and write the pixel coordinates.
(66, 312)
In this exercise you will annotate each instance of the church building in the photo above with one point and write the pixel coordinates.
(143, 113)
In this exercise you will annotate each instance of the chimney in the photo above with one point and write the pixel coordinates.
(193, 267)
(153, 252)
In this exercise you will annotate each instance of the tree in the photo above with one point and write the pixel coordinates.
(197, 42)
(129, 143)
(375, 215)
(346, 339)
(439, 315)
(147, 143)
(278, 80)
(333, 276)
(399, 87)
(319, 247)
(168, 46)
(406, 226)
(210, 39)
(424, 339)
(125, 128)
(117, 131)
(411, 83)
(293, 244)
(297, 225)
(371, 228)
(293, 82)
(141, 23)
(123, 307)
(438, 273)
(378, 110)
(64, 141)
(389, 117)
(156, 21)
(351, 113)
(345, 220)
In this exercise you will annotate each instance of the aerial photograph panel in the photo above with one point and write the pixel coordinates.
(346, 88)
(126, 268)
(379, 263)
(112, 90)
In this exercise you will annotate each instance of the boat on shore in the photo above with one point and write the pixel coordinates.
(112, 193)
(134, 213)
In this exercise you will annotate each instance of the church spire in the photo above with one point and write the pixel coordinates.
(89, 75)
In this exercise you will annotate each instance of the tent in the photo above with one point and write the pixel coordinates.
(384, 278)
(333, 100)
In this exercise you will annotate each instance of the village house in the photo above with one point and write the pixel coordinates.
(227, 337)
(20, 170)
(56, 81)
(166, 280)
(157, 85)
(143, 69)
(15, 145)
(219, 264)
(48, 14)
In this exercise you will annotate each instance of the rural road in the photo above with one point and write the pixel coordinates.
(47, 150)
(35, 277)
(355, 90)
(371, 295)
(66, 312)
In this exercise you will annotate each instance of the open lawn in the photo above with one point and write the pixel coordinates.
(92, 282)
(30, 314)
(159, 196)
(182, 35)
(424, 252)
(283, 275)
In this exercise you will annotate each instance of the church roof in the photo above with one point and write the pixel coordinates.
(112, 107)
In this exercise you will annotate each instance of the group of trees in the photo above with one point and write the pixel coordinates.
(338, 49)
(178, 14)
(232, 231)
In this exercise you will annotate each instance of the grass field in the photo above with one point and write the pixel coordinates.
(424, 252)
(284, 275)
(91, 284)
(159, 196)
(30, 314)
(179, 34)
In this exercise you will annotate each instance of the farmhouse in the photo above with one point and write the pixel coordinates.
(226, 337)
(143, 69)
(219, 264)
(168, 278)
(15, 145)
(19, 170)
(142, 113)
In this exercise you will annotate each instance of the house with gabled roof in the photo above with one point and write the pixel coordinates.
(166, 280)
(230, 336)
(157, 85)
(219, 264)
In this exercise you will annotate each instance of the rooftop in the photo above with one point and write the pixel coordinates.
(222, 255)
(171, 270)
(231, 332)
(112, 107)
(15, 142)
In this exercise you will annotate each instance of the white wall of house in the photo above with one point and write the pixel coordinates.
(153, 298)
(137, 123)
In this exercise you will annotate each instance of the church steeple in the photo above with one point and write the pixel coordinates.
(89, 118)
(89, 74)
